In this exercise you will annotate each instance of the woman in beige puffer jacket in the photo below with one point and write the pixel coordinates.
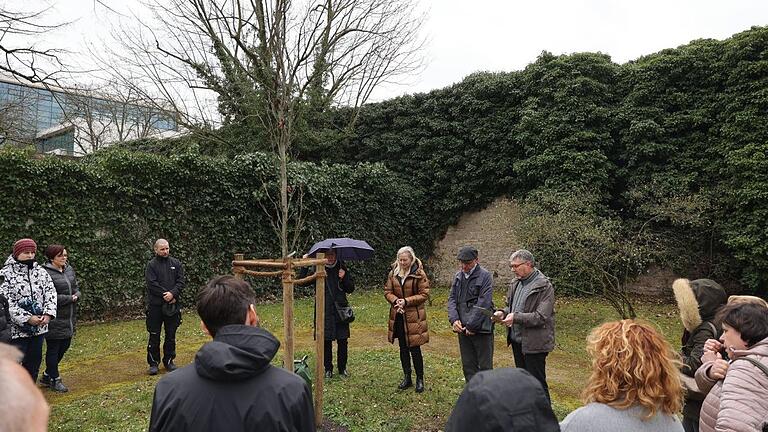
(737, 401)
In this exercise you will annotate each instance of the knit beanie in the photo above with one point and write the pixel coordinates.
(24, 245)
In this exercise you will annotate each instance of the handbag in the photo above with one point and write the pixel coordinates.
(345, 313)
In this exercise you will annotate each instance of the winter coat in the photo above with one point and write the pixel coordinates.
(415, 291)
(502, 400)
(5, 320)
(29, 292)
(336, 291)
(698, 301)
(600, 417)
(63, 327)
(538, 317)
(231, 386)
(163, 274)
(739, 403)
(477, 290)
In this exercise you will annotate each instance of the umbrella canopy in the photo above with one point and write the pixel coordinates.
(347, 249)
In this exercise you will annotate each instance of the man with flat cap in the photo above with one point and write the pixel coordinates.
(471, 291)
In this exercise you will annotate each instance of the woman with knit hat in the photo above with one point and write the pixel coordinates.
(31, 302)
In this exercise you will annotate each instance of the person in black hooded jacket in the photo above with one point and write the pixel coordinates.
(5, 321)
(698, 301)
(231, 385)
(503, 400)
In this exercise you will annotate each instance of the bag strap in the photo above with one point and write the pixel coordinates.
(759, 365)
(714, 329)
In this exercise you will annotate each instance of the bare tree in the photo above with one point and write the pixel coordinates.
(271, 63)
(106, 114)
(21, 57)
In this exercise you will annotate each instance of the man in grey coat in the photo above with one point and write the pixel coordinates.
(529, 315)
(472, 290)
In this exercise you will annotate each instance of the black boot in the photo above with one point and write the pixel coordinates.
(419, 384)
(406, 382)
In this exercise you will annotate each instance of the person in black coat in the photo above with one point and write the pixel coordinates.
(62, 328)
(165, 282)
(338, 283)
(5, 320)
(231, 385)
(503, 400)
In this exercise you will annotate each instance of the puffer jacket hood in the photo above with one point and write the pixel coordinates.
(502, 400)
(237, 352)
(698, 300)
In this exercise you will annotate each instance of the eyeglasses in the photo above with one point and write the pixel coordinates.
(514, 266)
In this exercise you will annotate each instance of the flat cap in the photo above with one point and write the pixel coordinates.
(467, 253)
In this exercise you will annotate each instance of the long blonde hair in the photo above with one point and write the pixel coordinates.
(632, 364)
(396, 270)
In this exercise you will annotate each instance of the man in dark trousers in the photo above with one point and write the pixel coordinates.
(165, 282)
(472, 290)
(232, 385)
(529, 316)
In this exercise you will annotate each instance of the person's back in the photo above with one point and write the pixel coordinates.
(502, 400)
(231, 385)
(598, 417)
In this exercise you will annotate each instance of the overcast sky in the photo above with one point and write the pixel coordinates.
(466, 36)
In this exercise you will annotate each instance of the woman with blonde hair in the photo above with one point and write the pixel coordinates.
(634, 384)
(406, 290)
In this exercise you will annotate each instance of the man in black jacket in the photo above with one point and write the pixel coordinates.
(165, 282)
(231, 386)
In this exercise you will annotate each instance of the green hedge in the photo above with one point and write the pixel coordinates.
(110, 207)
(674, 142)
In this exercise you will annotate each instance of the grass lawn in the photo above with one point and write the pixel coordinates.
(109, 390)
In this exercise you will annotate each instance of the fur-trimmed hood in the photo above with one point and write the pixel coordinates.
(698, 300)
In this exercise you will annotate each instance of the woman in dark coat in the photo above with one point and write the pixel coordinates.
(61, 329)
(338, 283)
(407, 290)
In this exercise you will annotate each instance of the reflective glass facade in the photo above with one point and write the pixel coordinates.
(38, 109)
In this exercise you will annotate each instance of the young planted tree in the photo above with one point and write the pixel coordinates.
(272, 65)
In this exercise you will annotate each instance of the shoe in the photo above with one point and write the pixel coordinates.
(405, 383)
(419, 384)
(328, 374)
(153, 370)
(58, 386)
(45, 381)
(344, 374)
(170, 366)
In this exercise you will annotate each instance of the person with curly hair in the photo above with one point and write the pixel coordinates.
(635, 384)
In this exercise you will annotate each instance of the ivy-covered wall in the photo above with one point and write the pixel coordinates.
(675, 142)
(109, 208)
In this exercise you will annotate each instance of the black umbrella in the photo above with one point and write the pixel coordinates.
(346, 249)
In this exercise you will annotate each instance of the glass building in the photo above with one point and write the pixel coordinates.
(72, 122)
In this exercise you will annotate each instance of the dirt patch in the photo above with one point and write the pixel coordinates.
(330, 426)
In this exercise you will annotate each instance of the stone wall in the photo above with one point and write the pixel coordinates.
(491, 231)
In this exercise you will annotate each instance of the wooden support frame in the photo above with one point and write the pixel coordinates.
(286, 268)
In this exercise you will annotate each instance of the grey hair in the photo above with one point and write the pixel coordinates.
(522, 255)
